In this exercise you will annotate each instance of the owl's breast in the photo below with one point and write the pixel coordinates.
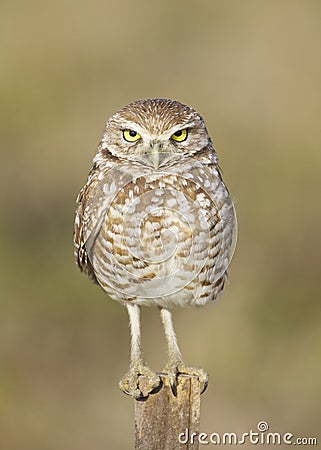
(164, 238)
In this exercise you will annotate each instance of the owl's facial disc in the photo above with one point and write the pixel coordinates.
(151, 145)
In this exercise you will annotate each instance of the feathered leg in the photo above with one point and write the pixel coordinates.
(175, 365)
(130, 383)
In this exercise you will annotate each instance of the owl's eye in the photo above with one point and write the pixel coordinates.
(131, 135)
(179, 135)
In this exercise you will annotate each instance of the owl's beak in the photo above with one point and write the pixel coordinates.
(154, 154)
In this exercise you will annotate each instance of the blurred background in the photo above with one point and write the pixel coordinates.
(253, 70)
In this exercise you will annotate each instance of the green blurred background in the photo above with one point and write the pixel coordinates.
(253, 70)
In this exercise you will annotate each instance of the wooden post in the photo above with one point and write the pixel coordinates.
(162, 417)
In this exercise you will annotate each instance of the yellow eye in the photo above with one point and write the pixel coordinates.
(131, 135)
(179, 135)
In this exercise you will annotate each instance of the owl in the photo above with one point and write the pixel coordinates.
(155, 225)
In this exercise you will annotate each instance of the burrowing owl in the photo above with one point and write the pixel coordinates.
(155, 224)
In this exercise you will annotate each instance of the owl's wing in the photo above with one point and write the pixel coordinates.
(93, 202)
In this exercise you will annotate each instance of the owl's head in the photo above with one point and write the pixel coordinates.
(154, 131)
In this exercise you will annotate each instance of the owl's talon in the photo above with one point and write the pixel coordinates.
(139, 382)
(173, 385)
(205, 384)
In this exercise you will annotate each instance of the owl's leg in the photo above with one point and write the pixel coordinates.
(175, 365)
(131, 383)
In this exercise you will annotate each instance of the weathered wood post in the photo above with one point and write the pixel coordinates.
(162, 417)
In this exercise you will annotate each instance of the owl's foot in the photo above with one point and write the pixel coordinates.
(140, 381)
(172, 371)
